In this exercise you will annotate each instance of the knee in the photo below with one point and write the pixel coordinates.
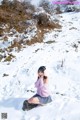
(30, 100)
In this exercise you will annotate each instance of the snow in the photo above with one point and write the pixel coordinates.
(63, 68)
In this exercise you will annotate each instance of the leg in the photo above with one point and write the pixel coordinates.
(25, 105)
(28, 106)
(34, 100)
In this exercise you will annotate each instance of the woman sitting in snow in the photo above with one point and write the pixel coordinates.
(43, 96)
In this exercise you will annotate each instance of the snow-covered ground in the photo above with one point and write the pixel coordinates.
(60, 53)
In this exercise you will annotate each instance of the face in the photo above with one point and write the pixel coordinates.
(40, 74)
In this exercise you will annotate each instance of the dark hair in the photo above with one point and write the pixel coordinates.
(42, 69)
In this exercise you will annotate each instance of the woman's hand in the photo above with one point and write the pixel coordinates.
(45, 79)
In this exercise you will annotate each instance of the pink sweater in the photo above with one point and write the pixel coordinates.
(42, 88)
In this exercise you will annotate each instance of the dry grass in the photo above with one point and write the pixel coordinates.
(14, 15)
(1, 57)
(38, 38)
(1, 31)
(15, 45)
(9, 58)
(40, 33)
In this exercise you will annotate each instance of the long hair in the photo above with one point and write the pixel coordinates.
(42, 69)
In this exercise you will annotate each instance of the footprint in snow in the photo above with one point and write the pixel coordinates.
(23, 116)
(35, 118)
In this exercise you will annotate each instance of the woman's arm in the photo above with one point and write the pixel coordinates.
(37, 83)
(41, 81)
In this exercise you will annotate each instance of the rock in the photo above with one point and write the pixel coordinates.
(4, 75)
(44, 20)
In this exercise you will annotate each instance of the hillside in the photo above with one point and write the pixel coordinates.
(56, 45)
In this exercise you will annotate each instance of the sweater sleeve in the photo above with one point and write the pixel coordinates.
(39, 83)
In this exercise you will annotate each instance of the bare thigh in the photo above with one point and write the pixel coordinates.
(34, 100)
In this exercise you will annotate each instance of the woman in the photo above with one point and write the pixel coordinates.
(43, 95)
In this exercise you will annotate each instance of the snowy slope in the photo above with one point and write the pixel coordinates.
(60, 53)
